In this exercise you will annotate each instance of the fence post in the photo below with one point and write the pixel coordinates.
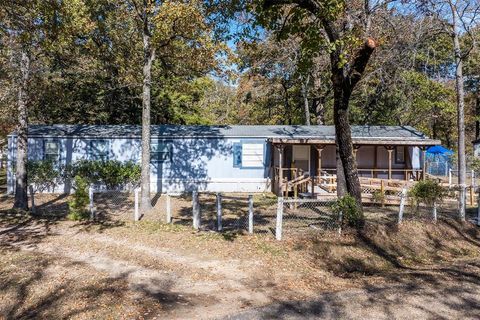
(278, 229)
(196, 210)
(219, 212)
(169, 209)
(90, 196)
(340, 221)
(462, 202)
(137, 213)
(449, 177)
(250, 214)
(402, 205)
(435, 212)
(30, 189)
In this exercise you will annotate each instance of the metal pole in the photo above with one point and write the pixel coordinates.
(90, 196)
(278, 229)
(435, 212)
(449, 177)
(473, 179)
(137, 215)
(169, 209)
(196, 210)
(219, 212)
(402, 205)
(250, 214)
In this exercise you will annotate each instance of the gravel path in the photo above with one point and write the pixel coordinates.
(447, 293)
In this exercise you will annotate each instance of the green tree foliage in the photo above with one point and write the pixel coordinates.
(111, 173)
(43, 175)
(428, 192)
(347, 207)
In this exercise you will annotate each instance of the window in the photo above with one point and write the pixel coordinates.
(52, 151)
(237, 155)
(252, 155)
(400, 155)
(99, 150)
(159, 152)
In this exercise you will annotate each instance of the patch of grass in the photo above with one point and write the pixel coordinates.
(151, 227)
(267, 248)
(78, 215)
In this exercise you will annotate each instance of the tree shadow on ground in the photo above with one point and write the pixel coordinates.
(433, 294)
(35, 290)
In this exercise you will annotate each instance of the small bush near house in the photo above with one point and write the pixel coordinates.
(351, 215)
(43, 175)
(378, 197)
(111, 173)
(427, 192)
(78, 205)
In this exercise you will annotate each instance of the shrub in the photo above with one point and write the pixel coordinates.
(351, 214)
(427, 192)
(378, 197)
(42, 174)
(111, 173)
(78, 205)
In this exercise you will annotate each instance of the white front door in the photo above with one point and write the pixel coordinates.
(301, 157)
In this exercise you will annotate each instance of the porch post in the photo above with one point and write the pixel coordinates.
(280, 169)
(389, 149)
(424, 162)
(375, 163)
(319, 164)
(355, 149)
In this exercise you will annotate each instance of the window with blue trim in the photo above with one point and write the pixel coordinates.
(252, 155)
(99, 150)
(237, 155)
(52, 151)
(248, 154)
(159, 152)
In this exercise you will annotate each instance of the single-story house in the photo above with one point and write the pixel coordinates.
(232, 158)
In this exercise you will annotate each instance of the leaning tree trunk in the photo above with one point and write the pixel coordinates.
(343, 136)
(341, 184)
(462, 166)
(149, 55)
(21, 196)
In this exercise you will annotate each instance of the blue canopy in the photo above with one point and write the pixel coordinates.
(439, 150)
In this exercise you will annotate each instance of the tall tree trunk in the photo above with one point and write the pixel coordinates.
(341, 184)
(462, 166)
(305, 99)
(343, 137)
(149, 56)
(21, 196)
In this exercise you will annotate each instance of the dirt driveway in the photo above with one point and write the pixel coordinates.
(447, 293)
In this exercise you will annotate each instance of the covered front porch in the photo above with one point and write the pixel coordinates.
(307, 167)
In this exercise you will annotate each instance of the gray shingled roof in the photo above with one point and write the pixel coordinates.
(258, 131)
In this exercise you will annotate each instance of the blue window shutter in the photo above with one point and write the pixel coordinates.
(237, 155)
